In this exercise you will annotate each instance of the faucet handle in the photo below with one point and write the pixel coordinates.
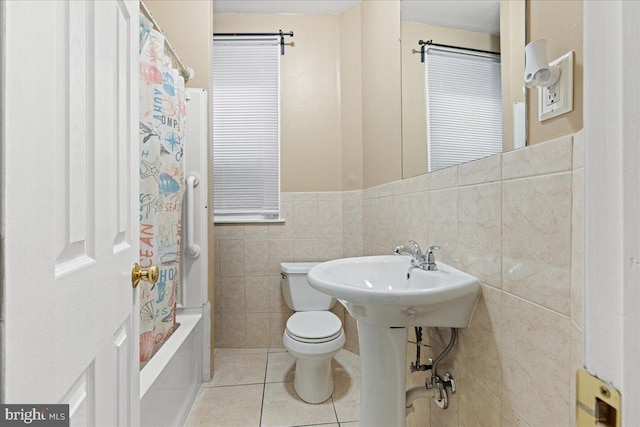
(430, 258)
(416, 248)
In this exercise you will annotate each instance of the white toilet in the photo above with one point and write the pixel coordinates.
(313, 334)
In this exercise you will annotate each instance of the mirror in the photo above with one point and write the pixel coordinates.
(474, 25)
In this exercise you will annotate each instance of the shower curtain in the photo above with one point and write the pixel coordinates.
(162, 125)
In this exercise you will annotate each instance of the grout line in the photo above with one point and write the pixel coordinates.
(264, 391)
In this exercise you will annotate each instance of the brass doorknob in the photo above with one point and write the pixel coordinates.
(137, 274)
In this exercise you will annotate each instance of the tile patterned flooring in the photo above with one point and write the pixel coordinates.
(254, 387)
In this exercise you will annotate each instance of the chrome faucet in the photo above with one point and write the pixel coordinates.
(425, 261)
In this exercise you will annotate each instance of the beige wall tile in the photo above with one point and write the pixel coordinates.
(444, 178)
(217, 292)
(277, 303)
(329, 249)
(443, 224)
(229, 231)
(511, 419)
(279, 251)
(479, 345)
(256, 257)
(330, 218)
(232, 298)
(217, 330)
(351, 330)
(256, 231)
(578, 150)
(577, 247)
(216, 256)
(256, 292)
(480, 230)
(305, 220)
(536, 348)
(576, 363)
(258, 330)
(536, 240)
(352, 195)
(278, 323)
(233, 329)
(304, 250)
(325, 196)
(352, 247)
(549, 157)
(480, 171)
(283, 230)
(231, 258)
(478, 406)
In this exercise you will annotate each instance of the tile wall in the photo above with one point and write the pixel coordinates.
(249, 308)
(514, 220)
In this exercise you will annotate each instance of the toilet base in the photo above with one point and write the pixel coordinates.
(313, 379)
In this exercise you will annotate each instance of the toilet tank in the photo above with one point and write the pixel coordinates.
(297, 291)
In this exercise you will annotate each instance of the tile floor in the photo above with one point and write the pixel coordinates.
(254, 387)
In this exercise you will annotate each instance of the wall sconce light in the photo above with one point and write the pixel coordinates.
(538, 72)
(554, 79)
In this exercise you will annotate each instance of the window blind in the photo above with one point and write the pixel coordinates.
(246, 128)
(464, 107)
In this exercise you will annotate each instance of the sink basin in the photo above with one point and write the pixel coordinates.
(384, 290)
(385, 295)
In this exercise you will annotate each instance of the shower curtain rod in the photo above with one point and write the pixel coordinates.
(279, 34)
(423, 43)
(186, 72)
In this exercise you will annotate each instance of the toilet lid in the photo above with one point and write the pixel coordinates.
(314, 326)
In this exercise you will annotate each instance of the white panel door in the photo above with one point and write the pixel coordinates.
(70, 207)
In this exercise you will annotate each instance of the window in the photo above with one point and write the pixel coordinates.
(246, 129)
(464, 107)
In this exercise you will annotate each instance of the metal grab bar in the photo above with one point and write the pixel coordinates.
(192, 250)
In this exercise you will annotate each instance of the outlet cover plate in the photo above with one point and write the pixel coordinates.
(564, 88)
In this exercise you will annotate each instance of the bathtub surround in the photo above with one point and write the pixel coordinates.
(514, 220)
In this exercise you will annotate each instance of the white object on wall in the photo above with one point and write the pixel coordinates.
(194, 269)
(519, 125)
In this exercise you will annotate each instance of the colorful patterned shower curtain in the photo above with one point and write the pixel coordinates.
(162, 124)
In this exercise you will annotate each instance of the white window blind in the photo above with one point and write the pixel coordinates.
(246, 129)
(464, 107)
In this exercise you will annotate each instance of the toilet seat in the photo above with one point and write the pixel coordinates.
(314, 326)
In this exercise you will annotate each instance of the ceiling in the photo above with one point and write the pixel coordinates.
(473, 15)
(283, 6)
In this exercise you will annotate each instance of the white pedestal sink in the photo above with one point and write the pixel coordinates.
(386, 295)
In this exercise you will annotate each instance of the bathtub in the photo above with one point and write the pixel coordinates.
(170, 381)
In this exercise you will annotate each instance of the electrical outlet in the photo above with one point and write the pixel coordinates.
(557, 99)
(551, 95)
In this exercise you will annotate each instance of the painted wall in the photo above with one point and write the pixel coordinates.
(561, 23)
(414, 104)
(351, 98)
(310, 104)
(187, 25)
(381, 103)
